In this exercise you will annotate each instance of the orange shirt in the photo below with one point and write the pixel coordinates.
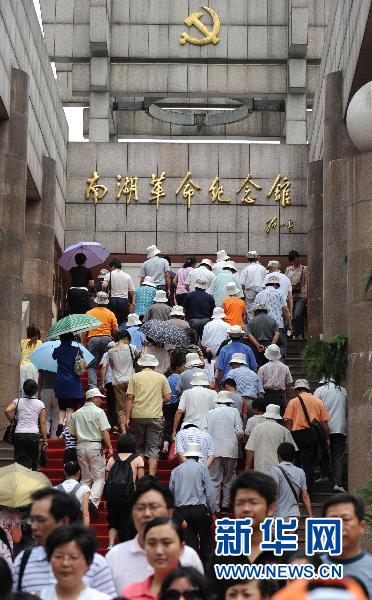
(109, 322)
(314, 407)
(234, 310)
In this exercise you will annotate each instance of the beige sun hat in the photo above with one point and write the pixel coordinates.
(199, 378)
(177, 311)
(218, 313)
(133, 319)
(193, 449)
(272, 412)
(193, 360)
(102, 298)
(221, 256)
(272, 279)
(224, 397)
(302, 383)
(149, 281)
(152, 251)
(275, 264)
(160, 296)
(102, 274)
(93, 393)
(238, 357)
(259, 306)
(148, 360)
(232, 289)
(201, 284)
(252, 254)
(206, 261)
(236, 331)
(272, 352)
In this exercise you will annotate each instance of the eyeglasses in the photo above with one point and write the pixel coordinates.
(192, 594)
(141, 508)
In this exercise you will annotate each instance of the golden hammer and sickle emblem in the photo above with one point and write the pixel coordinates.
(209, 36)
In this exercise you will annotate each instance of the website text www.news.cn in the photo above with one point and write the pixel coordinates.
(278, 571)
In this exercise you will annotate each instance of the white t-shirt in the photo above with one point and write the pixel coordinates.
(334, 399)
(121, 283)
(199, 274)
(49, 593)
(252, 276)
(214, 333)
(285, 283)
(69, 485)
(195, 403)
(123, 363)
(28, 413)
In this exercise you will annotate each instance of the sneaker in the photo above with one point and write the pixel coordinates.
(339, 489)
(322, 480)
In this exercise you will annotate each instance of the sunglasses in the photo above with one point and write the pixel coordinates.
(192, 594)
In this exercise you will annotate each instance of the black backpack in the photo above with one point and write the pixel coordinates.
(119, 484)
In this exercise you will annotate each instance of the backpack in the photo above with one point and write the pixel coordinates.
(119, 484)
(62, 488)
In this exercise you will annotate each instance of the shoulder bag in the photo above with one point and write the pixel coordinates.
(289, 482)
(10, 430)
(317, 434)
(80, 364)
(296, 289)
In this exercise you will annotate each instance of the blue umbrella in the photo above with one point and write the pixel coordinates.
(95, 252)
(42, 356)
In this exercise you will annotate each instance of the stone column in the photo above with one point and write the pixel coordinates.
(13, 177)
(315, 249)
(359, 307)
(336, 192)
(39, 250)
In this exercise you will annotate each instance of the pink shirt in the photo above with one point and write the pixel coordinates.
(275, 375)
(182, 275)
(139, 591)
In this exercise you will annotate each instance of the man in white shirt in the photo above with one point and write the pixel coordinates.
(202, 273)
(216, 331)
(221, 258)
(225, 426)
(285, 285)
(252, 280)
(119, 286)
(128, 561)
(156, 267)
(190, 434)
(334, 398)
(195, 402)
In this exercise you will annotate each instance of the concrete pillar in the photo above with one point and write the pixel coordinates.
(315, 249)
(13, 176)
(359, 307)
(336, 192)
(39, 250)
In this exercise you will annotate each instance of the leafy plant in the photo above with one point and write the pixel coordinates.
(366, 493)
(368, 282)
(327, 359)
(368, 394)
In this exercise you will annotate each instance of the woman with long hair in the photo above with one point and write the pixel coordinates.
(28, 345)
(180, 279)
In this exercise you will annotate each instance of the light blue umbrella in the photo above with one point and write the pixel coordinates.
(42, 356)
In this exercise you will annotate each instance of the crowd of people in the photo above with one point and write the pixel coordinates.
(191, 366)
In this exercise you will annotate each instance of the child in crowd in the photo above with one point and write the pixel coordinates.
(177, 366)
(70, 452)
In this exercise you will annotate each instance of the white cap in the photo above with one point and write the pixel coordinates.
(93, 393)
(302, 383)
(221, 255)
(199, 378)
(133, 319)
(230, 264)
(177, 311)
(148, 360)
(152, 251)
(149, 281)
(238, 357)
(236, 331)
(206, 261)
(272, 279)
(193, 449)
(232, 289)
(252, 254)
(272, 412)
(224, 397)
(218, 313)
(160, 296)
(193, 360)
(272, 352)
(275, 264)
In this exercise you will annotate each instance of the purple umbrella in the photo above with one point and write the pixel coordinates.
(96, 254)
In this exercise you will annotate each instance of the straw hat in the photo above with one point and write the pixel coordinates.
(148, 360)
(221, 255)
(152, 251)
(193, 449)
(224, 398)
(102, 298)
(177, 311)
(93, 393)
(272, 412)
(193, 360)
(149, 281)
(160, 296)
(232, 289)
(218, 313)
(199, 378)
(133, 319)
(238, 357)
(273, 279)
(236, 331)
(206, 261)
(252, 254)
(302, 383)
(272, 352)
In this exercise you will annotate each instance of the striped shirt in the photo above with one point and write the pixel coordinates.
(193, 435)
(38, 574)
(247, 381)
(70, 440)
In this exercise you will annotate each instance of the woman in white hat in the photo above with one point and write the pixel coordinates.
(234, 307)
(159, 310)
(137, 337)
(276, 378)
(145, 296)
(177, 317)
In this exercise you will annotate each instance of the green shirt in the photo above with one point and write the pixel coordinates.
(88, 422)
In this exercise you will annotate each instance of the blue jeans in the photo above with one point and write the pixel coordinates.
(97, 346)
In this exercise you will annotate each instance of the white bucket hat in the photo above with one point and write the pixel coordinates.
(232, 289)
(236, 331)
(272, 279)
(193, 449)
(206, 261)
(152, 251)
(272, 352)
(302, 383)
(224, 397)
(177, 311)
(93, 393)
(275, 264)
(252, 254)
(238, 357)
(230, 264)
(111, 345)
(148, 360)
(102, 298)
(160, 296)
(221, 256)
(149, 281)
(259, 306)
(133, 319)
(102, 274)
(272, 412)
(218, 313)
(201, 284)
(193, 360)
(199, 379)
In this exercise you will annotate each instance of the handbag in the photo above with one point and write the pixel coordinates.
(296, 289)
(79, 364)
(316, 433)
(134, 360)
(10, 430)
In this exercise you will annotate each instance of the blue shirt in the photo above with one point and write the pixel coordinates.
(137, 338)
(198, 305)
(191, 485)
(67, 384)
(144, 298)
(218, 286)
(230, 349)
(247, 381)
(174, 383)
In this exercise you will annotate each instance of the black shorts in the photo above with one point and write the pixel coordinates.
(65, 403)
(118, 514)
